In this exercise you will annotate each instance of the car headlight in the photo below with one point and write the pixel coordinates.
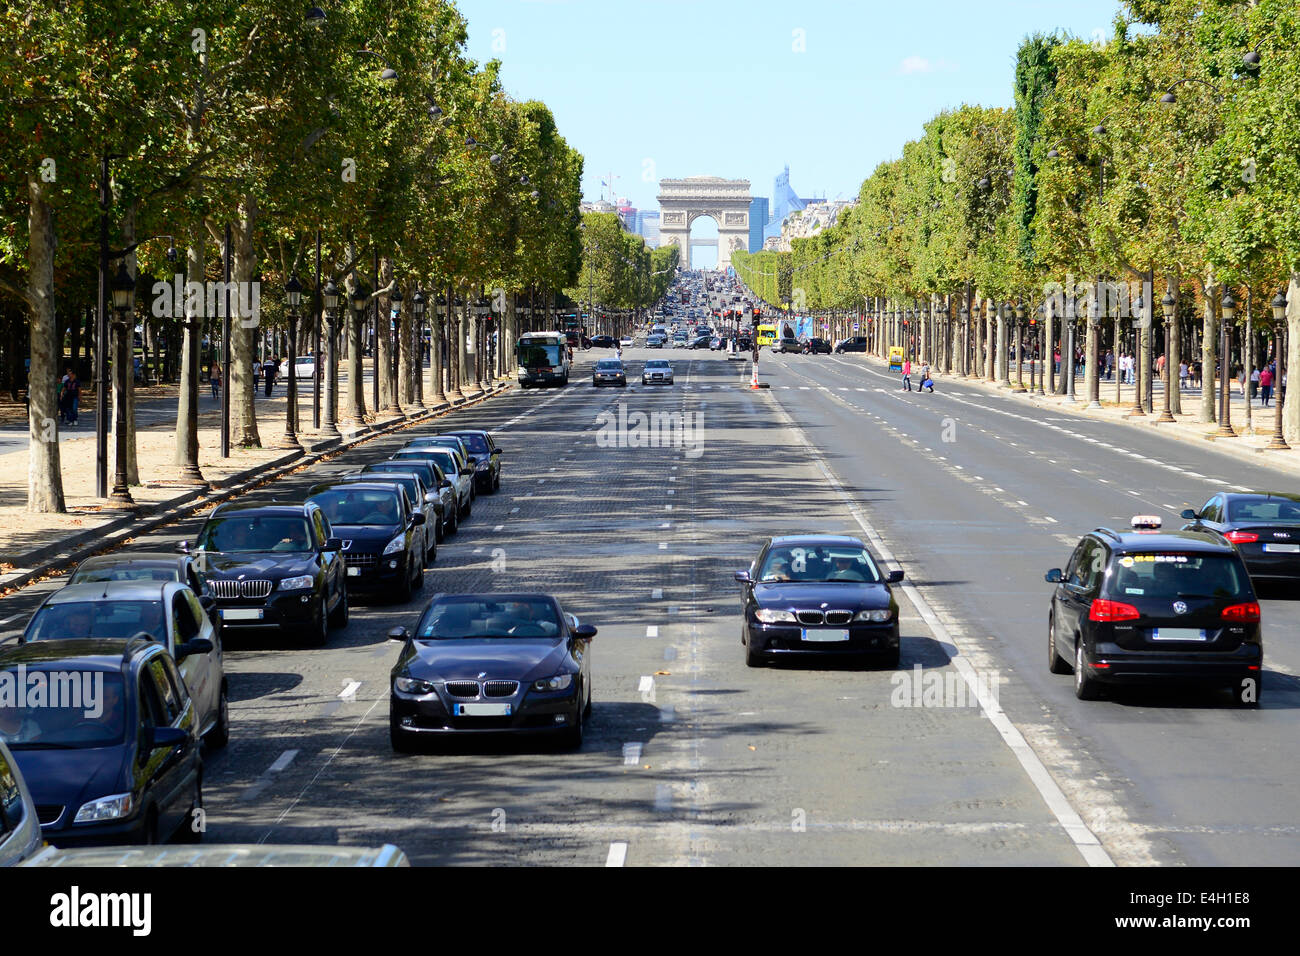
(412, 685)
(878, 616)
(106, 808)
(549, 684)
(397, 544)
(483, 466)
(301, 581)
(770, 616)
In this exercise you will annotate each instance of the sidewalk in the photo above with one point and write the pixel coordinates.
(1248, 446)
(32, 545)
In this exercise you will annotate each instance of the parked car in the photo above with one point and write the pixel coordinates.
(382, 535)
(304, 369)
(421, 498)
(455, 469)
(481, 444)
(816, 347)
(166, 611)
(429, 472)
(20, 828)
(138, 566)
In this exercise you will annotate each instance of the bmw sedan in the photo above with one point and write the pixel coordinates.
(491, 663)
(818, 594)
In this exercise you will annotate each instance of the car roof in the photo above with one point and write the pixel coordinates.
(130, 557)
(95, 653)
(297, 509)
(110, 591)
(365, 485)
(788, 540)
(1239, 495)
(1131, 541)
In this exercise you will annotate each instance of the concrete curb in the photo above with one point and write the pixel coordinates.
(76, 548)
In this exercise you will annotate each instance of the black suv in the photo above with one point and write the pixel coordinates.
(272, 566)
(382, 535)
(856, 344)
(816, 347)
(1148, 606)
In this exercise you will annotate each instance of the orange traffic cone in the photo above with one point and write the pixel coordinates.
(753, 379)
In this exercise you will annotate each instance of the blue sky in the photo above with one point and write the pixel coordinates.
(738, 88)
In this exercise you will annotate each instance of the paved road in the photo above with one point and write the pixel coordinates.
(693, 758)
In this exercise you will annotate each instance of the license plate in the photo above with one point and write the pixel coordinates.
(241, 614)
(354, 572)
(1282, 548)
(482, 710)
(1177, 634)
(822, 634)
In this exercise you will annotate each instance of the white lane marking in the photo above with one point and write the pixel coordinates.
(672, 491)
(1050, 518)
(997, 489)
(663, 545)
(282, 761)
(514, 511)
(617, 854)
(657, 594)
(350, 689)
(668, 507)
(498, 527)
(631, 754)
(666, 524)
(652, 630)
(11, 617)
(647, 684)
(663, 797)
(1104, 481)
(1023, 504)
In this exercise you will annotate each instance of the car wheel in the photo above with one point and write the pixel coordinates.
(454, 520)
(186, 833)
(318, 629)
(404, 592)
(496, 482)
(403, 741)
(339, 616)
(150, 834)
(1055, 662)
(586, 711)
(430, 549)
(468, 509)
(219, 735)
(571, 739)
(1085, 688)
(752, 659)
(1246, 692)
(419, 577)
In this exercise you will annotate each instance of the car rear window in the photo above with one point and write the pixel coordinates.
(1273, 511)
(1171, 575)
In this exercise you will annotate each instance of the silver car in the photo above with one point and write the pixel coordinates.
(20, 829)
(657, 372)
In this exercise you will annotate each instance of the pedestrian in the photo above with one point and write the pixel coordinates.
(63, 384)
(1056, 361)
(1195, 372)
(926, 381)
(214, 379)
(269, 368)
(907, 374)
(1160, 365)
(1183, 373)
(72, 396)
(1265, 386)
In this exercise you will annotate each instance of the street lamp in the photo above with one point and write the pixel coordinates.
(394, 334)
(966, 339)
(1137, 411)
(1044, 351)
(330, 302)
(1094, 349)
(1229, 307)
(1278, 442)
(293, 298)
(123, 289)
(1168, 305)
(417, 309)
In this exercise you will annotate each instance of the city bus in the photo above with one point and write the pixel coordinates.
(766, 335)
(543, 359)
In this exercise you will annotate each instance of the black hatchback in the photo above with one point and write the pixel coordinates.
(1148, 606)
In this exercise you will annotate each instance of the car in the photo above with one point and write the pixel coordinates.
(717, 343)
(453, 467)
(608, 372)
(857, 343)
(272, 566)
(168, 612)
(821, 595)
(787, 344)
(626, 342)
(487, 454)
(657, 372)
(816, 347)
(604, 342)
(1154, 606)
(112, 754)
(421, 498)
(655, 340)
(1265, 527)
(304, 369)
(744, 343)
(138, 566)
(20, 826)
(428, 472)
(681, 340)
(444, 440)
(491, 663)
(382, 534)
(701, 341)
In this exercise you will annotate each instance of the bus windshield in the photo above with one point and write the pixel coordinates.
(535, 354)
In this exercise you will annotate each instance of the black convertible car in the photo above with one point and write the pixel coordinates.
(818, 594)
(484, 663)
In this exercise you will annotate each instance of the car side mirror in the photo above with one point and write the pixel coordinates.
(1189, 515)
(417, 519)
(166, 737)
(430, 498)
(496, 451)
(893, 577)
(743, 577)
(333, 544)
(399, 634)
(446, 483)
(195, 645)
(584, 631)
(182, 547)
(1054, 576)
(471, 459)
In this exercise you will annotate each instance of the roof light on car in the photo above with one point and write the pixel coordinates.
(1146, 523)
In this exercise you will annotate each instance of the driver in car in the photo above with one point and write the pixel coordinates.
(843, 569)
(294, 540)
(778, 570)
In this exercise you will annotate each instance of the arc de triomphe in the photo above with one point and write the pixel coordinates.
(682, 201)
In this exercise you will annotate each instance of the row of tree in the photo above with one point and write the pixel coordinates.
(619, 272)
(1167, 157)
(241, 133)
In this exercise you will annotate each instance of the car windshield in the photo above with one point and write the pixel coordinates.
(532, 355)
(1265, 510)
(656, 363)
(820, 563)
(477, 443)
(612, 365)
(479, 618)
(1166, 576)
(103, 617)
(359, 506)
(73, 709)
(126, 572)
(240, 533)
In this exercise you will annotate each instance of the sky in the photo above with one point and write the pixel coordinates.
(739, 88)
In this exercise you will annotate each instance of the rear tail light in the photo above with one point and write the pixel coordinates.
(1241, 537)
(1112, 611)
(1242, 613)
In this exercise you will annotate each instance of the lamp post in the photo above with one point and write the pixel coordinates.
(1043, 347)
(293, 298)
(1278, 442)
(1167, 305)
(417, 309)
(1229, 307)
(394, 334)
(1093, 346)
(1068, 362)
(330, 302)
(123, 299)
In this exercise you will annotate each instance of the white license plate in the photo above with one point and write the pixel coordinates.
(825, 634)
(241, 614)
(354, 572)
(1177, 634)
(482, 710)
(1282, 548)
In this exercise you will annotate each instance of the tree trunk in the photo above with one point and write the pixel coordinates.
(244, 333)
(384, 341)
(406, 361)
(124, 384)
(1209, 348)
(510, 335)
(355, 413)
(437, 390)
(44, 473)
(186, 458)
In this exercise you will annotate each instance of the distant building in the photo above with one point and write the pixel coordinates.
(647, 226)
(599, 205)
(784, 202)
(757, 220)
(816, 215)
(627, 213)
